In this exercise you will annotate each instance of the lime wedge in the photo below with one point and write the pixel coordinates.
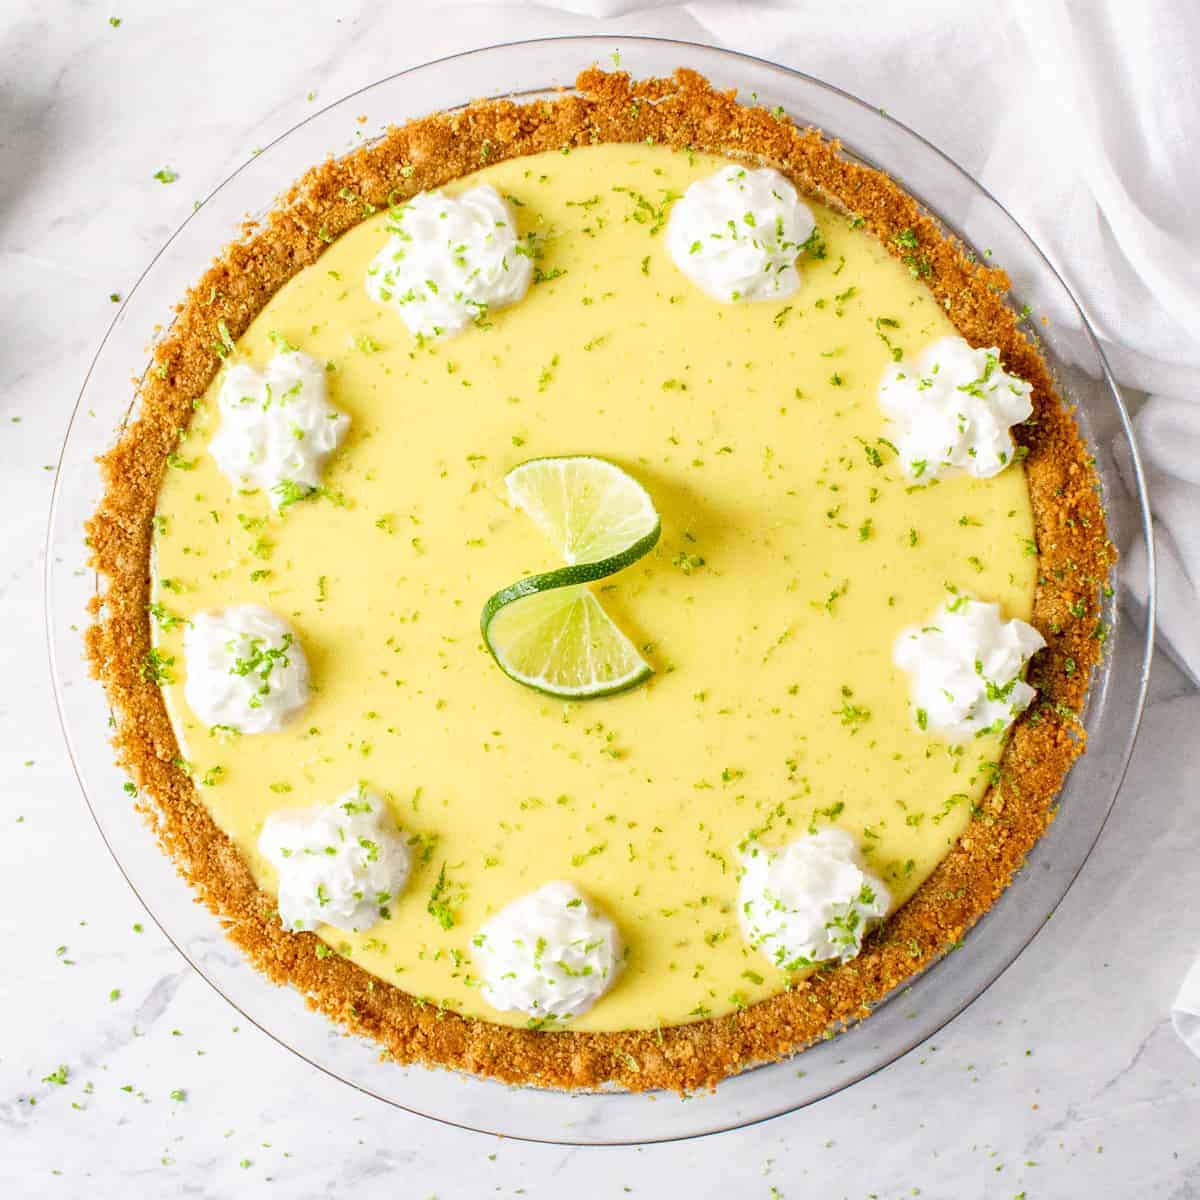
(549, 631)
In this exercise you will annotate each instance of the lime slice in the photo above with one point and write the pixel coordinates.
(560, 641)
(587, 507)
(549, 631)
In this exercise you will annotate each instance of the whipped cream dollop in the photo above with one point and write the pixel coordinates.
(738, 233)
(277, 426)
(450, 260)
(966, 666)
(246, 669)
(953, 409)
(339, 864)
(812, 901)
(550, 954)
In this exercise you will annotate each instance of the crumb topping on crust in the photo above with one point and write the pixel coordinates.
(1074, 553)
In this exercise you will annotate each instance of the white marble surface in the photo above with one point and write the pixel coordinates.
(1064, 1080)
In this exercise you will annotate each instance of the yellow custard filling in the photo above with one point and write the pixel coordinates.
(793, 552)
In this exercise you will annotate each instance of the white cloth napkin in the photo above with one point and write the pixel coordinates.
(1185, 1015)
(1083, 118)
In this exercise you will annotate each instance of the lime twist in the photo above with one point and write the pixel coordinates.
(549, 631)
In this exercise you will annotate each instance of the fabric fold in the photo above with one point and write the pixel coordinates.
(1185, 1012)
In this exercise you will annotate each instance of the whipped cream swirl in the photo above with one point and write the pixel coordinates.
(812, 901)
(953, 409)
(450, 261)
(277, 426)
(340, 864)
(966, 666)
(550, 954)
(738, 233)
(246, 669)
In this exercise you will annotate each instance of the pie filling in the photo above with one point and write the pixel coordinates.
(795, 550)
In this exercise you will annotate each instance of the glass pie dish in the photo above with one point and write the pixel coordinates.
(926, 1003)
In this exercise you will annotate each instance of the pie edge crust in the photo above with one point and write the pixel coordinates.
(1075, 558)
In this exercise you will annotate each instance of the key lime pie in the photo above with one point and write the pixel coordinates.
(598, 590)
